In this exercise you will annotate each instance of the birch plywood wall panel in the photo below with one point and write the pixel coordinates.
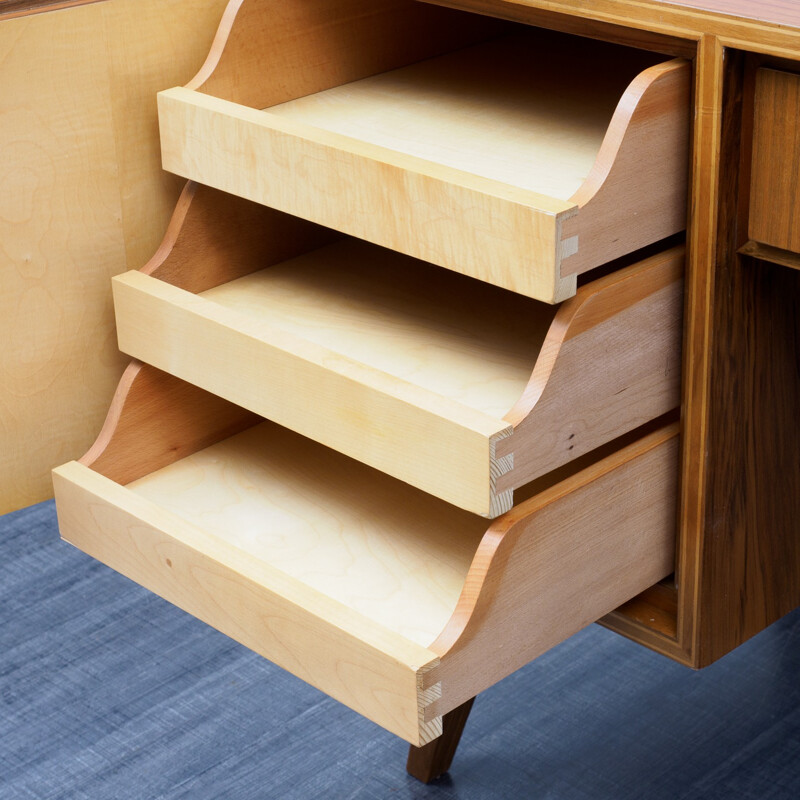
(82, 198)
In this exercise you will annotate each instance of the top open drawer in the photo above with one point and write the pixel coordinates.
(516, 156)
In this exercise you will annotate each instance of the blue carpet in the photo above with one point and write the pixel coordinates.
(108, 692)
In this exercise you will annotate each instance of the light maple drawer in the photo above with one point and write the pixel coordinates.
(391, 601)
(514, 155)
(461, 389)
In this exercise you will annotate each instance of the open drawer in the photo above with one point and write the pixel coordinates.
(517, 156)
(462, 389)
(391, 601)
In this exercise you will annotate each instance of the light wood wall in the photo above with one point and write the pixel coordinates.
(82, 198)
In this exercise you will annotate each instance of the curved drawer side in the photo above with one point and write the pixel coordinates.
(558, 562)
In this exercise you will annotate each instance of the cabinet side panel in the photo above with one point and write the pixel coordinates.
(741, 566)
(82, 197)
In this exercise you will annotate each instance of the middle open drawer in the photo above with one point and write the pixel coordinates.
(461, 389)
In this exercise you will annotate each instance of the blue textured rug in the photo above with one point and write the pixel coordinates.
(108, 692)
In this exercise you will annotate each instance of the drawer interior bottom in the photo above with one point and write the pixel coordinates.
(466, 341)
(380, 547)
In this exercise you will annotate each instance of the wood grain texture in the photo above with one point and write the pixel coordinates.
(463, 340)
(395, 555)
(81, 199)
(375, 545)
(477, 110)
(772, 29)
(431, 761)
(343, 575)
(655, 609)
(215, 237)
(60, 240)
(706, 196)
(150, 45)
(750, 555)
(739, 565)
(266, 52)
(699, 331)
(775, 190)
(398, 201)
(386, 421)
(751, 552)
(775, 12)
(361, 664)
(774, 255)
(156, 419)
(424, 159)
(579, 396)
(620, 212)
(613, 529)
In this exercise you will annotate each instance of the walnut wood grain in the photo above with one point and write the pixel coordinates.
(431, 761)
(775, 187)
(749, 555)
(751, 552)
(775, 255)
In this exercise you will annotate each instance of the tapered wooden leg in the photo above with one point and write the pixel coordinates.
(432, 760)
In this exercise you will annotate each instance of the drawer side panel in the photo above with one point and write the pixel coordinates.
(558, 562)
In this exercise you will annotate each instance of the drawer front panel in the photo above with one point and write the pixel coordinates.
(313, 637)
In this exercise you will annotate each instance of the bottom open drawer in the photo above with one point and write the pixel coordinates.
(390, 600)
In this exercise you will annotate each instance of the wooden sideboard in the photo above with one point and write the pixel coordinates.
(738, 542)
